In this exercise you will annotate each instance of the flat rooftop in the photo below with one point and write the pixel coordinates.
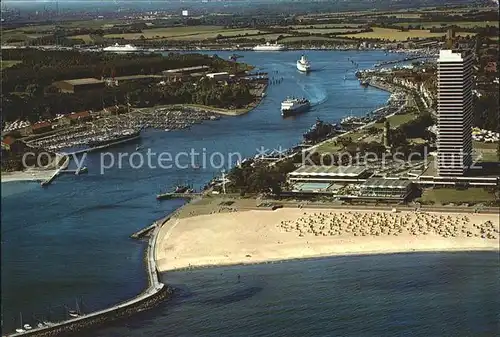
(328, 171)
(136, 77)
(180, 70)
(381, 183)
(81, 81)
(311, 187)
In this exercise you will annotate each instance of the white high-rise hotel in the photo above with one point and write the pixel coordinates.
(454, 138)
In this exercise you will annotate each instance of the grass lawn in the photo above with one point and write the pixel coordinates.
(487, 151)
(482, 145)
(416, 141)
(328, 147)
(397, 35)
(397, 120)
(450, 195)
(7, 64)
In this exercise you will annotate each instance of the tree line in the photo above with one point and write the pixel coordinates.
(28, 92)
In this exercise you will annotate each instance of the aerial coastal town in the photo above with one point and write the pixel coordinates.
(419, 173)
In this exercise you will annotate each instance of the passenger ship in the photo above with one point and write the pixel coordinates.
(269, 47)
(303, 64)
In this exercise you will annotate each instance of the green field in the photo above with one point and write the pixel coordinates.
(310, 38)
(450, 195)
(397, 35)
(19, 35)
(327, 30)
(268, 37)
(402, 15)
(464, 24)
(325, 25)
(185, 33)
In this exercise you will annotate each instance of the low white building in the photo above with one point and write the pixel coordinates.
(219, 76)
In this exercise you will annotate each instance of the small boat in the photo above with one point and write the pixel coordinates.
(27, 327)
(21, 324)
(75, 313)
(82, 170)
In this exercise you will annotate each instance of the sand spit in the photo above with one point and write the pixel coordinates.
(264, 236)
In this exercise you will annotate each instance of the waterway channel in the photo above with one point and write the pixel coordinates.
(71, 240)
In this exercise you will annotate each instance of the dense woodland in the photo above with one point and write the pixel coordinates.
(252, 177)
(27, 90)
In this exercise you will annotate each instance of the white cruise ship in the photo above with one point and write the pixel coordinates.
(303, 64)
(119, 48)
(269, 47)
(292, 106)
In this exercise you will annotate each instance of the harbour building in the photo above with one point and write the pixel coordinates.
(454, 136)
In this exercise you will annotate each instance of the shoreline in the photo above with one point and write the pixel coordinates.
(37, 176)
(249, 237)
(323, 257)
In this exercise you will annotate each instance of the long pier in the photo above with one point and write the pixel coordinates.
(58, 171)
(147, 299)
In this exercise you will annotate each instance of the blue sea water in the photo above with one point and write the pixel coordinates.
(421, 295)
(71, 240)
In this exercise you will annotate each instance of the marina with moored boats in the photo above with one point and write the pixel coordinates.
(112, 130)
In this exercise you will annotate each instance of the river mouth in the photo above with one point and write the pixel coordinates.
(71, 240)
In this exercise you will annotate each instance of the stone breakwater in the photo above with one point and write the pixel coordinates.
(155, 293)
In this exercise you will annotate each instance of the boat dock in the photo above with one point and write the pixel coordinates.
(147, 299)
(147, 230)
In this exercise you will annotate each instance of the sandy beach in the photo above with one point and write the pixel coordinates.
(257, 236)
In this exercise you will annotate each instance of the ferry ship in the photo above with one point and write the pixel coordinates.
(292, 106)
(269, 47)
(303, 64)
(114, 139)
(119, 48)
